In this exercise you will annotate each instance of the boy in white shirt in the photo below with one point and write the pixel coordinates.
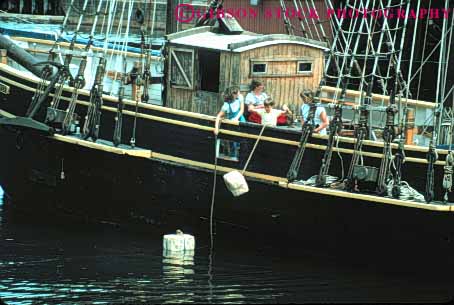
(270, 115)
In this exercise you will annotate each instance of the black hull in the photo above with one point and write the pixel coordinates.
(157, 196)
(65, 175)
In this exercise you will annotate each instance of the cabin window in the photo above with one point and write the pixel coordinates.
(182, 68)
(209, 70)
(228, 150)
(258, 68)
(304, 67)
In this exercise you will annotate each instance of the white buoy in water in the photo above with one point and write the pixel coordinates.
(236, 183)
(178, 242)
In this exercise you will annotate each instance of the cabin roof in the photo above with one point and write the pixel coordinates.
(211, 40)
(205, 37)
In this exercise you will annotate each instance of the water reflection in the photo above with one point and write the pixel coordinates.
(1, 195)
(178, 274)
(76, 265)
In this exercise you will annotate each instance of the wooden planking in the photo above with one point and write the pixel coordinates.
(206, 102)
(284, 89)
(223, 64)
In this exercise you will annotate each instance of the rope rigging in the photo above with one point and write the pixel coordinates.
(336, 123)
(432, 154)
(307, 129)
(368, 77)
(288, 24)
(93, 117)
(119, 116)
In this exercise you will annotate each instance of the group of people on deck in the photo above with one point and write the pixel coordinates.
(258, 102)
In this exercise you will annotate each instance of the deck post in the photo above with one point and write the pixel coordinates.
(410, 127)
(3, 57)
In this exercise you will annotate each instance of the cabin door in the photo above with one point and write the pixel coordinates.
(181, 68)
(207, 98)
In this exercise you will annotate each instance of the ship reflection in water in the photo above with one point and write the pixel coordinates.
(1, 196)
(55, 264)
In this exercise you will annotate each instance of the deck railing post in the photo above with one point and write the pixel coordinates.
(3, 57)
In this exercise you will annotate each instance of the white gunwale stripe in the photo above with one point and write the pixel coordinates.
(369, 198)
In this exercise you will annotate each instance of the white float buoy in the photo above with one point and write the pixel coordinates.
(178, 242)
(236, 183)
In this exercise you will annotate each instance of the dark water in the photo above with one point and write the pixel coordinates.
(49, 263)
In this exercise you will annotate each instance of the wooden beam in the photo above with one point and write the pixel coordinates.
(284, 59)
(47, 18)
(379, 97)
(189, 32)
(81, 46)
(277, 37)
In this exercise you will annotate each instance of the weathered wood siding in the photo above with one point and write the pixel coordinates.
(177, 96)
(281, 80)
(283, 89)
(200, 101)
(159, 7)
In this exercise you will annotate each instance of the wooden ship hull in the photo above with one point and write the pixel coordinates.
(166, 180)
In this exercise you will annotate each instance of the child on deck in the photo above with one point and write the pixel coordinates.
(268, 114)
(232, 109)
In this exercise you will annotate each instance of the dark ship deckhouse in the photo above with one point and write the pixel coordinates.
(203, 62)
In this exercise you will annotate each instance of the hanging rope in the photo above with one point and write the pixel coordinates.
(287, 22)
(79, 81)
(423, 53)
(432, 157)
(361, 132)
(119, 116)
(307, 129)
(253, 149)
(213, 193)
(335, 127)
(449, 161)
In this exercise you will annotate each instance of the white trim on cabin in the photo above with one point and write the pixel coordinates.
(275, 42)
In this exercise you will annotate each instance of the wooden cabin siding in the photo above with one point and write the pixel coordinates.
(160, 21)
(282, 59)
(202, 101)
(173, 23)
(216, 67)
(230, 70)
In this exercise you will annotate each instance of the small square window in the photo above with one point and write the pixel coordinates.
(228, 150)
(258, 68)
(304, 67)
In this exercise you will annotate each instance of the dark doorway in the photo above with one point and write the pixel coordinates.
(209, 62)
